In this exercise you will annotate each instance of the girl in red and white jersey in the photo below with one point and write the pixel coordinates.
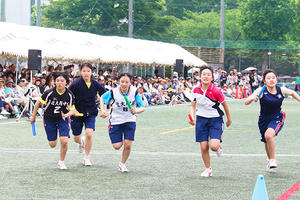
(209, 117)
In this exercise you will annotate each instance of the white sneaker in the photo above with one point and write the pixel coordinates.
(3, 117)
(86, 162)
(207, 172)
(61, 165)
(219, 152)
(82, 145)
(4, 112)
(271, 165)
(123, 168)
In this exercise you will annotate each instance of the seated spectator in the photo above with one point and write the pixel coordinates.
(179, 98)
(19, 93)
(5, 96)
(107, 73)
(108, 84)
(49, 82)
(227, 91)
(166, 98)
(1, 70)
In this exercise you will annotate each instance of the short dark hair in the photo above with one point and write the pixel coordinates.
(209, 68)
(63, 74)
(125, 74)
(89, 65)
(267, 71)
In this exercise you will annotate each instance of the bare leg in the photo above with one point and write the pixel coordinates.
(270, 144)
(88, 140)
(205, 153)
(63, 147)
(126, 150)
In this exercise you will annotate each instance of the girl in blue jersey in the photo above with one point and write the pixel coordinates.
(57, 102)
(271, 119)
(85, 90)
(122, 121)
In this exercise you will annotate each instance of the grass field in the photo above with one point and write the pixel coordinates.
(165, 162)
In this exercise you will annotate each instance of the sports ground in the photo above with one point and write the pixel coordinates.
(165, 162)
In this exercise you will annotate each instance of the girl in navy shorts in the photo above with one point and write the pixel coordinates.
(209, 117)
(122, 121)
(271, 118)
(85, 90)
(57, 102)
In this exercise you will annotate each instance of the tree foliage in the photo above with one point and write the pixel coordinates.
(107, 17)
(267, 19)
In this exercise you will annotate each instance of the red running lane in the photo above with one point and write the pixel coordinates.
(287, 194)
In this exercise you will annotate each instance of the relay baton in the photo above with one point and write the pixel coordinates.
(79, 115)
(262, 90)
(33, 128)
(191, 119)
(128, 103)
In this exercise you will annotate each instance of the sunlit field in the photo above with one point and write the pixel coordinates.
(165, 162)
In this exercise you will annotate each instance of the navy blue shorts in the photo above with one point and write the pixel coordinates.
(209, 128)
(275, 122)
(77, 123)
(52, 128)
(118, 131)
(2, 103)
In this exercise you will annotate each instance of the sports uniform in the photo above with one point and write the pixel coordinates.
(55, 103)
(122, 121)
(271, 115)
(85, 103)
(209, 121)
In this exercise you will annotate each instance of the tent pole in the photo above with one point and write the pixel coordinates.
(17, 69)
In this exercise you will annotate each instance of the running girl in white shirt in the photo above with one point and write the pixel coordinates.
(209, 117)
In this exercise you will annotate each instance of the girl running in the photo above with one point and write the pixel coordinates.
(271, 119)
(85, 90)
(57, 101)
(209, 120)
(122, 121)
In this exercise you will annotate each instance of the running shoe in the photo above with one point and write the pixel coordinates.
(123, 168)
(61, 165)
(86, 162)
(273, 163)
(207, 172)
(4, 112)
(269, 168)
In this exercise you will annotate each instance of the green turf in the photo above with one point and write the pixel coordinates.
(165, 163)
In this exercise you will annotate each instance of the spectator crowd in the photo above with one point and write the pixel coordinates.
(16, 88)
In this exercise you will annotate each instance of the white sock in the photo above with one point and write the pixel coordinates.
(86, 157)
(60, 162)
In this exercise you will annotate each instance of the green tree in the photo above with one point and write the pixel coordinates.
(177, 8)
(107, 17)
(267, 20)
(195, 27)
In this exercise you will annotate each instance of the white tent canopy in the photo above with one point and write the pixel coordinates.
(81, 46)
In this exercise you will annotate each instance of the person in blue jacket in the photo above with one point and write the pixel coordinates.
(85, 90)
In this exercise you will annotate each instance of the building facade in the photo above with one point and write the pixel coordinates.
(18, 11)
